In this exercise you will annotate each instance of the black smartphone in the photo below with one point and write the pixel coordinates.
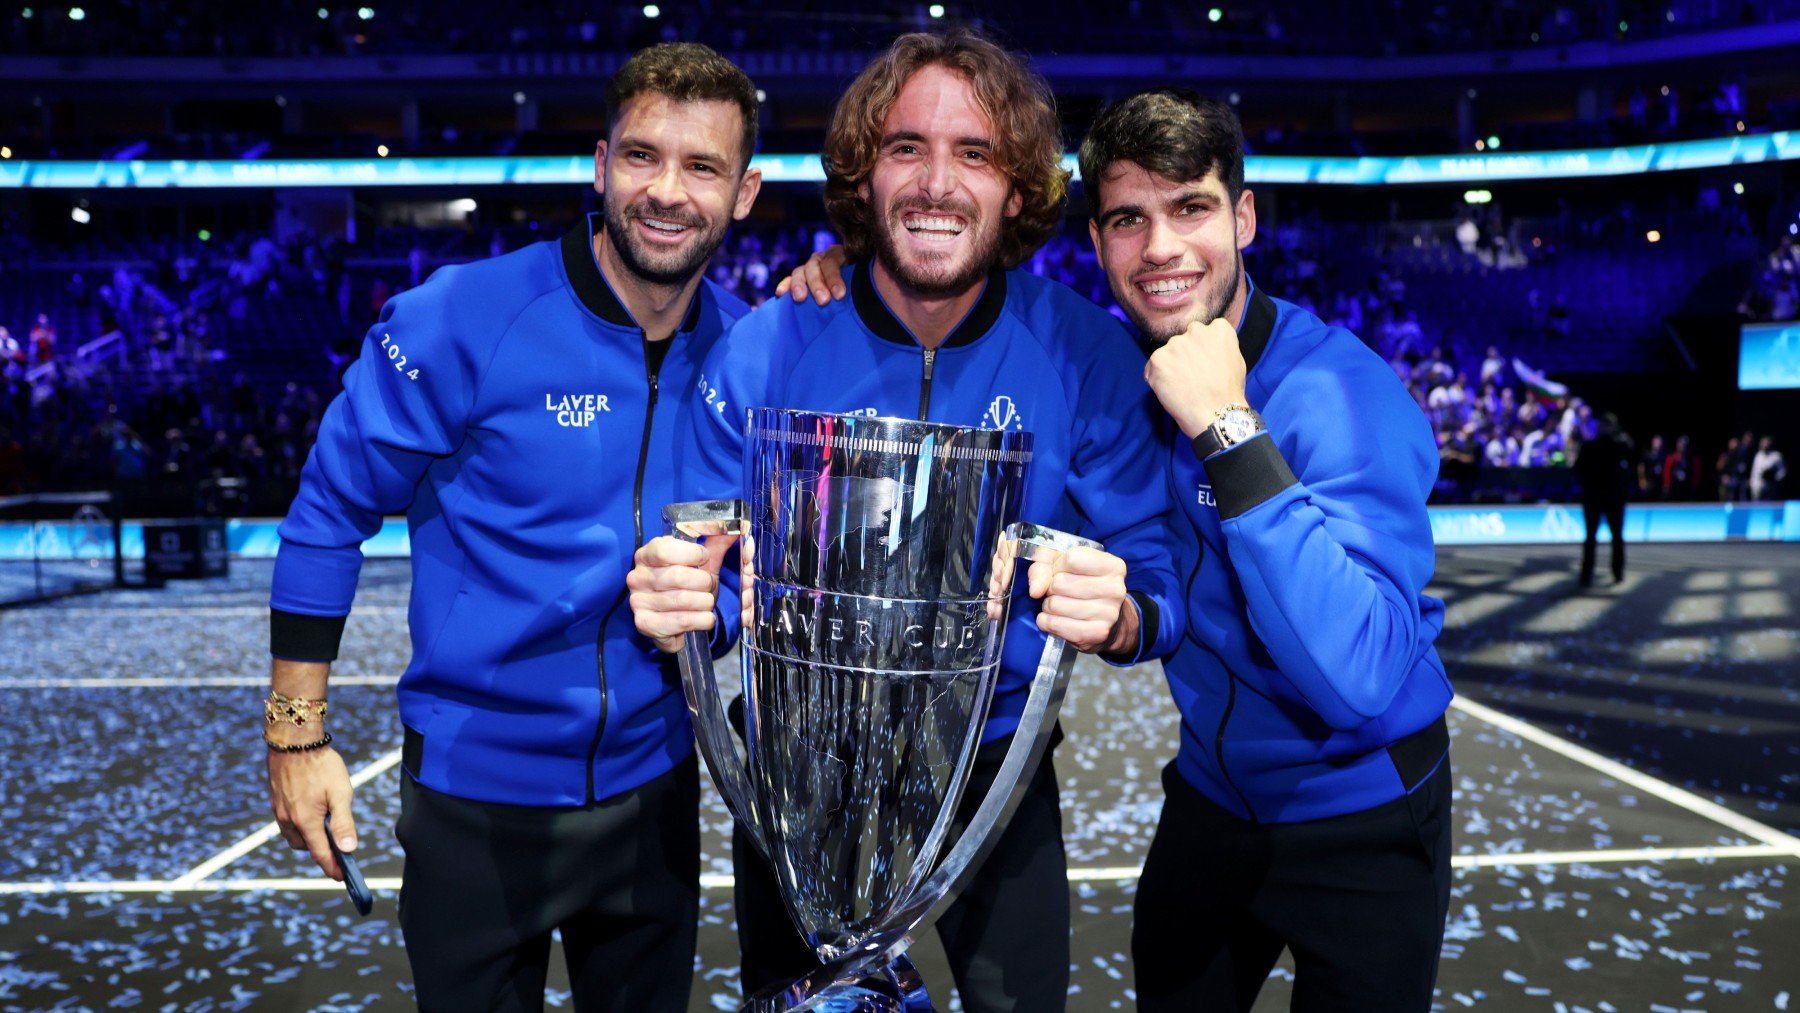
(354, 884)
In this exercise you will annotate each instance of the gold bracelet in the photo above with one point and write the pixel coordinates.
(293, 710)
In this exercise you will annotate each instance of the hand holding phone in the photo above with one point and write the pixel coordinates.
(354, 884)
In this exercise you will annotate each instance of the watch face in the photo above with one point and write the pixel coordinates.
(1238, 426)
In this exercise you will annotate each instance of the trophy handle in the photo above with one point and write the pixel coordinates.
(699, 681)
(959, 865)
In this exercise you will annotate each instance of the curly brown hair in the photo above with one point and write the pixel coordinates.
(1017, 101)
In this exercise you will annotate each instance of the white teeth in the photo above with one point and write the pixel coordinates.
(1169, 286)
(662, 226)
(922, 223)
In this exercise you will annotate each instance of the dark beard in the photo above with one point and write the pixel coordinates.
(639, 262)
(933, 286)
(1210, 313)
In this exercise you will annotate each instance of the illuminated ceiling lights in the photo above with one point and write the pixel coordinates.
(936, 10)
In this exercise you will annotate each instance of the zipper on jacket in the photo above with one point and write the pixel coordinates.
(637, 520)
(925, 383)
(1219, 747)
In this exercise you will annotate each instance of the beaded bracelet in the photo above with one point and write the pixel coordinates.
(307, 747)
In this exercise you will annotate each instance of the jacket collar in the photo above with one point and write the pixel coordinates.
(875, 313)
(591, 286)
(1257, 327)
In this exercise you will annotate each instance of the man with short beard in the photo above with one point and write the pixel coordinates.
(510, 409)
(1308, 806)
(943, 174)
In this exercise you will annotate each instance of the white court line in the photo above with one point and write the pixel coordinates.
(722, 881)
(270, 830)
(175, 682)
(1783, 843)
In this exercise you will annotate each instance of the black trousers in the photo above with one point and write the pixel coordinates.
(1614, 513)
(1007, 936)
(1360, 899)
(484, 886)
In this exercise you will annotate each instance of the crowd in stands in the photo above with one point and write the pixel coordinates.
(161, 419)
(296, 28)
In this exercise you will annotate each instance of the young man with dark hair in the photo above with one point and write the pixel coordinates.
(510, 408)
(943, 174)
(1309, 804)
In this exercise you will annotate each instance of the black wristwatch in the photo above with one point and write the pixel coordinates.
(1232, 425)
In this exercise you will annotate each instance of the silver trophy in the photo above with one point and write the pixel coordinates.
(881, 555)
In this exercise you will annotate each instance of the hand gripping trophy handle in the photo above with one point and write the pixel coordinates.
(700, 683)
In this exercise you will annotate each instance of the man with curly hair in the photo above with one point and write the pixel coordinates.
(943, 165)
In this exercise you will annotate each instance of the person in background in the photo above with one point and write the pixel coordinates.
(1603, 466)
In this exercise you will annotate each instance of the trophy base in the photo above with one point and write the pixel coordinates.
(897, 989)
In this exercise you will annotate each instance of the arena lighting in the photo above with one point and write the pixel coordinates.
(1653, 236)
(5, 152)
(762, 96)
(1737, 188)
(1480, 145)
(1478, 196)
(1623, 28)
(28, 13)
(365, 13)
(1215, 15)
(80, 215)
(518, 98)
(463, 206)
(382, 150)
(1733, 152)
(77, 14)
(936, 10)
(1493, 142)
(652, 11)
(204, 235)
(323, 14)
(281, 101)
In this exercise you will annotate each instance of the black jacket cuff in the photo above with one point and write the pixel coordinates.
(296, 637)
(1248, 474)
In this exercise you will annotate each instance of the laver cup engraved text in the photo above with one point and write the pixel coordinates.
(870, 655)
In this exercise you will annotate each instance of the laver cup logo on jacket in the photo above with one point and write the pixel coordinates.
(576, 411)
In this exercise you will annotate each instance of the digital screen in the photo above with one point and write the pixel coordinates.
(1465, 167)
(1769, 356)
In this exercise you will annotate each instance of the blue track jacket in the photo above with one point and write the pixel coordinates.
(1305, 552)
(509, 409)
(1030, 355)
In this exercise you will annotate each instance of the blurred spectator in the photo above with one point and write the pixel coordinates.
(43, 340)
(1768, 471)
(1650, 470)
(1681, 472)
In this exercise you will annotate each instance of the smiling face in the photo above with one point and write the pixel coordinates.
(671, 182)
(938, 198)
(1171, 250)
